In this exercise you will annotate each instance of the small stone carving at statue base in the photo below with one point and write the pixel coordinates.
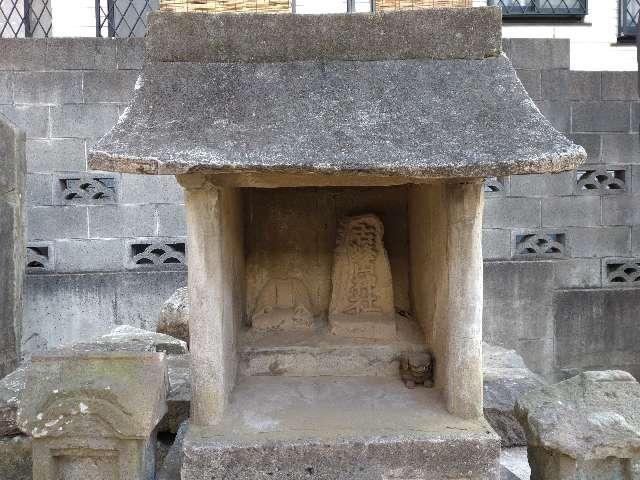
(362, 294)
(416, 368)
(283, 304)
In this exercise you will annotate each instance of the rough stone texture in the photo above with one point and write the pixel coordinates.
(179, 395)
(15, 458)
(328, 428)
(128, 337)
(505, 379)
(361, 305)
(178, 37)
(11, 388)
(172, 464)
(597, 329)
(583, 428)
(174, 315)
(409, 133)
(119, 397)
(12, 239)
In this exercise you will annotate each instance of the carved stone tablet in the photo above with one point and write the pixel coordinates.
(362, 295)
(283, 304)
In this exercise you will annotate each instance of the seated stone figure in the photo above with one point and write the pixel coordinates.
(284, 304)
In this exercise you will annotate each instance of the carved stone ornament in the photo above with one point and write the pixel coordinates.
(362, 295)
(283, 303)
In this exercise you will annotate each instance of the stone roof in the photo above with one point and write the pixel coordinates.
(411, 95)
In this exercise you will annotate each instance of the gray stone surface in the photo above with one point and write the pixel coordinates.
(394, 148)
(583, 428)
(44, 223)
(48, 87)
(89, 120)
(601, 116)
(56, 155)
(511, 212)
(12, 239)
(516, 321)
(538, 53)
(117, 396)
(329, 428)
(11, 387)
(506, 378)
(599, 241)
(142, 340)
(172, 464)
(571, 211)
(282, 38)
(585, 85)
(174, 315)
(62, 309)
(621, 148)
(122, 221)
(15, 458)
(33, 119)
(597, 329)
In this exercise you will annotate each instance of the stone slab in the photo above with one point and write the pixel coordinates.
(283, 38)
(328, 428)
(414, 131)
(15, 458)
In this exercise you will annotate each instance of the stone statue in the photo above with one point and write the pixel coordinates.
(416, 368)
(284, 304)
(362, 292)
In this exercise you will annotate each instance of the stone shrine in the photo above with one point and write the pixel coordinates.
(333, 168)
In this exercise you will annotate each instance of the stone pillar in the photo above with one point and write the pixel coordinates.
(464, 336)
(12, 239)
(215, 256)
(445, 224)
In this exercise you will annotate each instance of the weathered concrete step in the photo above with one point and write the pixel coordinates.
(329, 428)
(319, 353)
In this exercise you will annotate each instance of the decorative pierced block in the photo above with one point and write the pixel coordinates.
(87, 190)
(622, 272)
(495, 186)
(39, 258)
(537, 245)
(601, 181)
(157, 254)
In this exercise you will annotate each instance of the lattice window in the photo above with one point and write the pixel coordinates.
(623, 272)
(39, 258)
(544, 8)
(89, 189)
(495, 185)
(540, 245)
(25, 18)
(157, 254)
(601, 181)
(628, 23)
(123, 18)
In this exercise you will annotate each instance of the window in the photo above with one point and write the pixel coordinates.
(542, 8)
(628, 19)
(25, 18)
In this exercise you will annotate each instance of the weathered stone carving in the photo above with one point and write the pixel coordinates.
(416, 368)
(174, 315)
(283, 304)
(586, 427)
(93, 415)
(362, 294)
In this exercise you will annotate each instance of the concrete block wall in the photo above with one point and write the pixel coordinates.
(549, 240)
(86, 229)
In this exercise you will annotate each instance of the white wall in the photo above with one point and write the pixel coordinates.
(593, 43)
(330, 6)
(73, 18)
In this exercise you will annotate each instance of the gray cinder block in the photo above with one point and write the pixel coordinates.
(39, 191)
(511, 212)
(111, 221)
(558, 112)
(172, 221)
(96, 255)
(578, 273)
(621, 210)
(599, 241)
(79, 53)
(539, 53)
(48, 223)
(542, 185)
(592, 143)
(87, 120)
(33, 119)
(571, 211)
(151, 189)
(496, 244)
(48, 87)
(56, 155)
(555, 84)
(620, 85)
(23, 54)
(116, 86)
(621, 148)
(600, 116)
(585, 85)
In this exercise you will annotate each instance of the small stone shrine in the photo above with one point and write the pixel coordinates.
(333, 169)
(93, 415)
(585, 428)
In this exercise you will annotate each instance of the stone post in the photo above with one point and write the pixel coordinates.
(12, 239)
(445, 223)
(215, 257)
(464, 337)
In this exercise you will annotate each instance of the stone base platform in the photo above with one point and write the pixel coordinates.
(330, 428)
(317, 352)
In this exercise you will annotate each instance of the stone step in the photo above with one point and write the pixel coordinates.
(337, 428)
(319, 353)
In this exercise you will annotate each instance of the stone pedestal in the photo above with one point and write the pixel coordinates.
(587, 427)
(94, 415)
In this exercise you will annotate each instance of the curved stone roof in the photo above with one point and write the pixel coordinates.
(333, 105)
